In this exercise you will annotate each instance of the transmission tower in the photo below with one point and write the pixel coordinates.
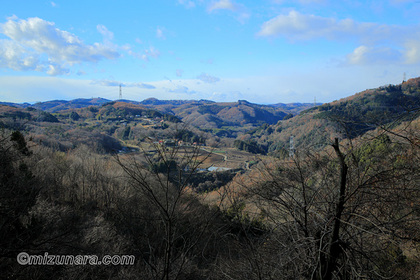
(292, 147)
(120, 92)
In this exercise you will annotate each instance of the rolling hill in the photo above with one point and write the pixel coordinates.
(268, 128)
(59, 105)
(202, 113)
(346, 118)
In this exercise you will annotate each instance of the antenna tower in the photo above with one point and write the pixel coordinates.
(315, 101)
(404, 77)
(120, 92)
(292, 147)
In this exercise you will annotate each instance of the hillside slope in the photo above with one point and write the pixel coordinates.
(200, 113)
(346, 118)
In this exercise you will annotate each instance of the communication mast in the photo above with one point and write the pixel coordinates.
(404, 77)
(292, 147)
(120, 92)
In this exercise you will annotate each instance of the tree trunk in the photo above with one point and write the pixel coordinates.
(334, 250)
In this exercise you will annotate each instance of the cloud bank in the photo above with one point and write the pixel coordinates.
(296, 26)
(110, 83)
(238, 9)
(37, 45)
(378, 43)
(207, 78)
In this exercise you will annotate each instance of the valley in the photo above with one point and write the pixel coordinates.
(210, 140)
(219, 185)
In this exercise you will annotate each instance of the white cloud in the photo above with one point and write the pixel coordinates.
(297, 26)
(378, 43)
(36, 44)
(14, 56)
(13, 17)
(113, 83)
(159, 33)
(187, 3)
(412, 53)
(285, 86)
(364, 55)
(106, 83)
(207, 78)
(151, 52)
(142, 85)
(145, 55)
(239, 9)
(358, 55)
(54, 70)
(223, 5)
(182, 89)
(108, 35)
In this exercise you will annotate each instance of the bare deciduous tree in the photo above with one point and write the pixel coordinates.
(342, 213)
(161, 177)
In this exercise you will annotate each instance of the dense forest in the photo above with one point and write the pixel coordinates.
(127, 179)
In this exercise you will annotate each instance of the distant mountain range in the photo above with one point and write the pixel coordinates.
(59, 105)
(263, 128)
(201, 113)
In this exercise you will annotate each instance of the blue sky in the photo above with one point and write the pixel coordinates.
(266, 51)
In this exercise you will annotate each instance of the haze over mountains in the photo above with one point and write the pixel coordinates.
(57, 105)
(203, 113)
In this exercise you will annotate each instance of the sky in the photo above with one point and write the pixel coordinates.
(262, 51)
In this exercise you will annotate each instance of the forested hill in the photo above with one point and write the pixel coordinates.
(347, 118)
(59, 105)
(207, 114)
(176, 201)
(267, 128)
(200, 113)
